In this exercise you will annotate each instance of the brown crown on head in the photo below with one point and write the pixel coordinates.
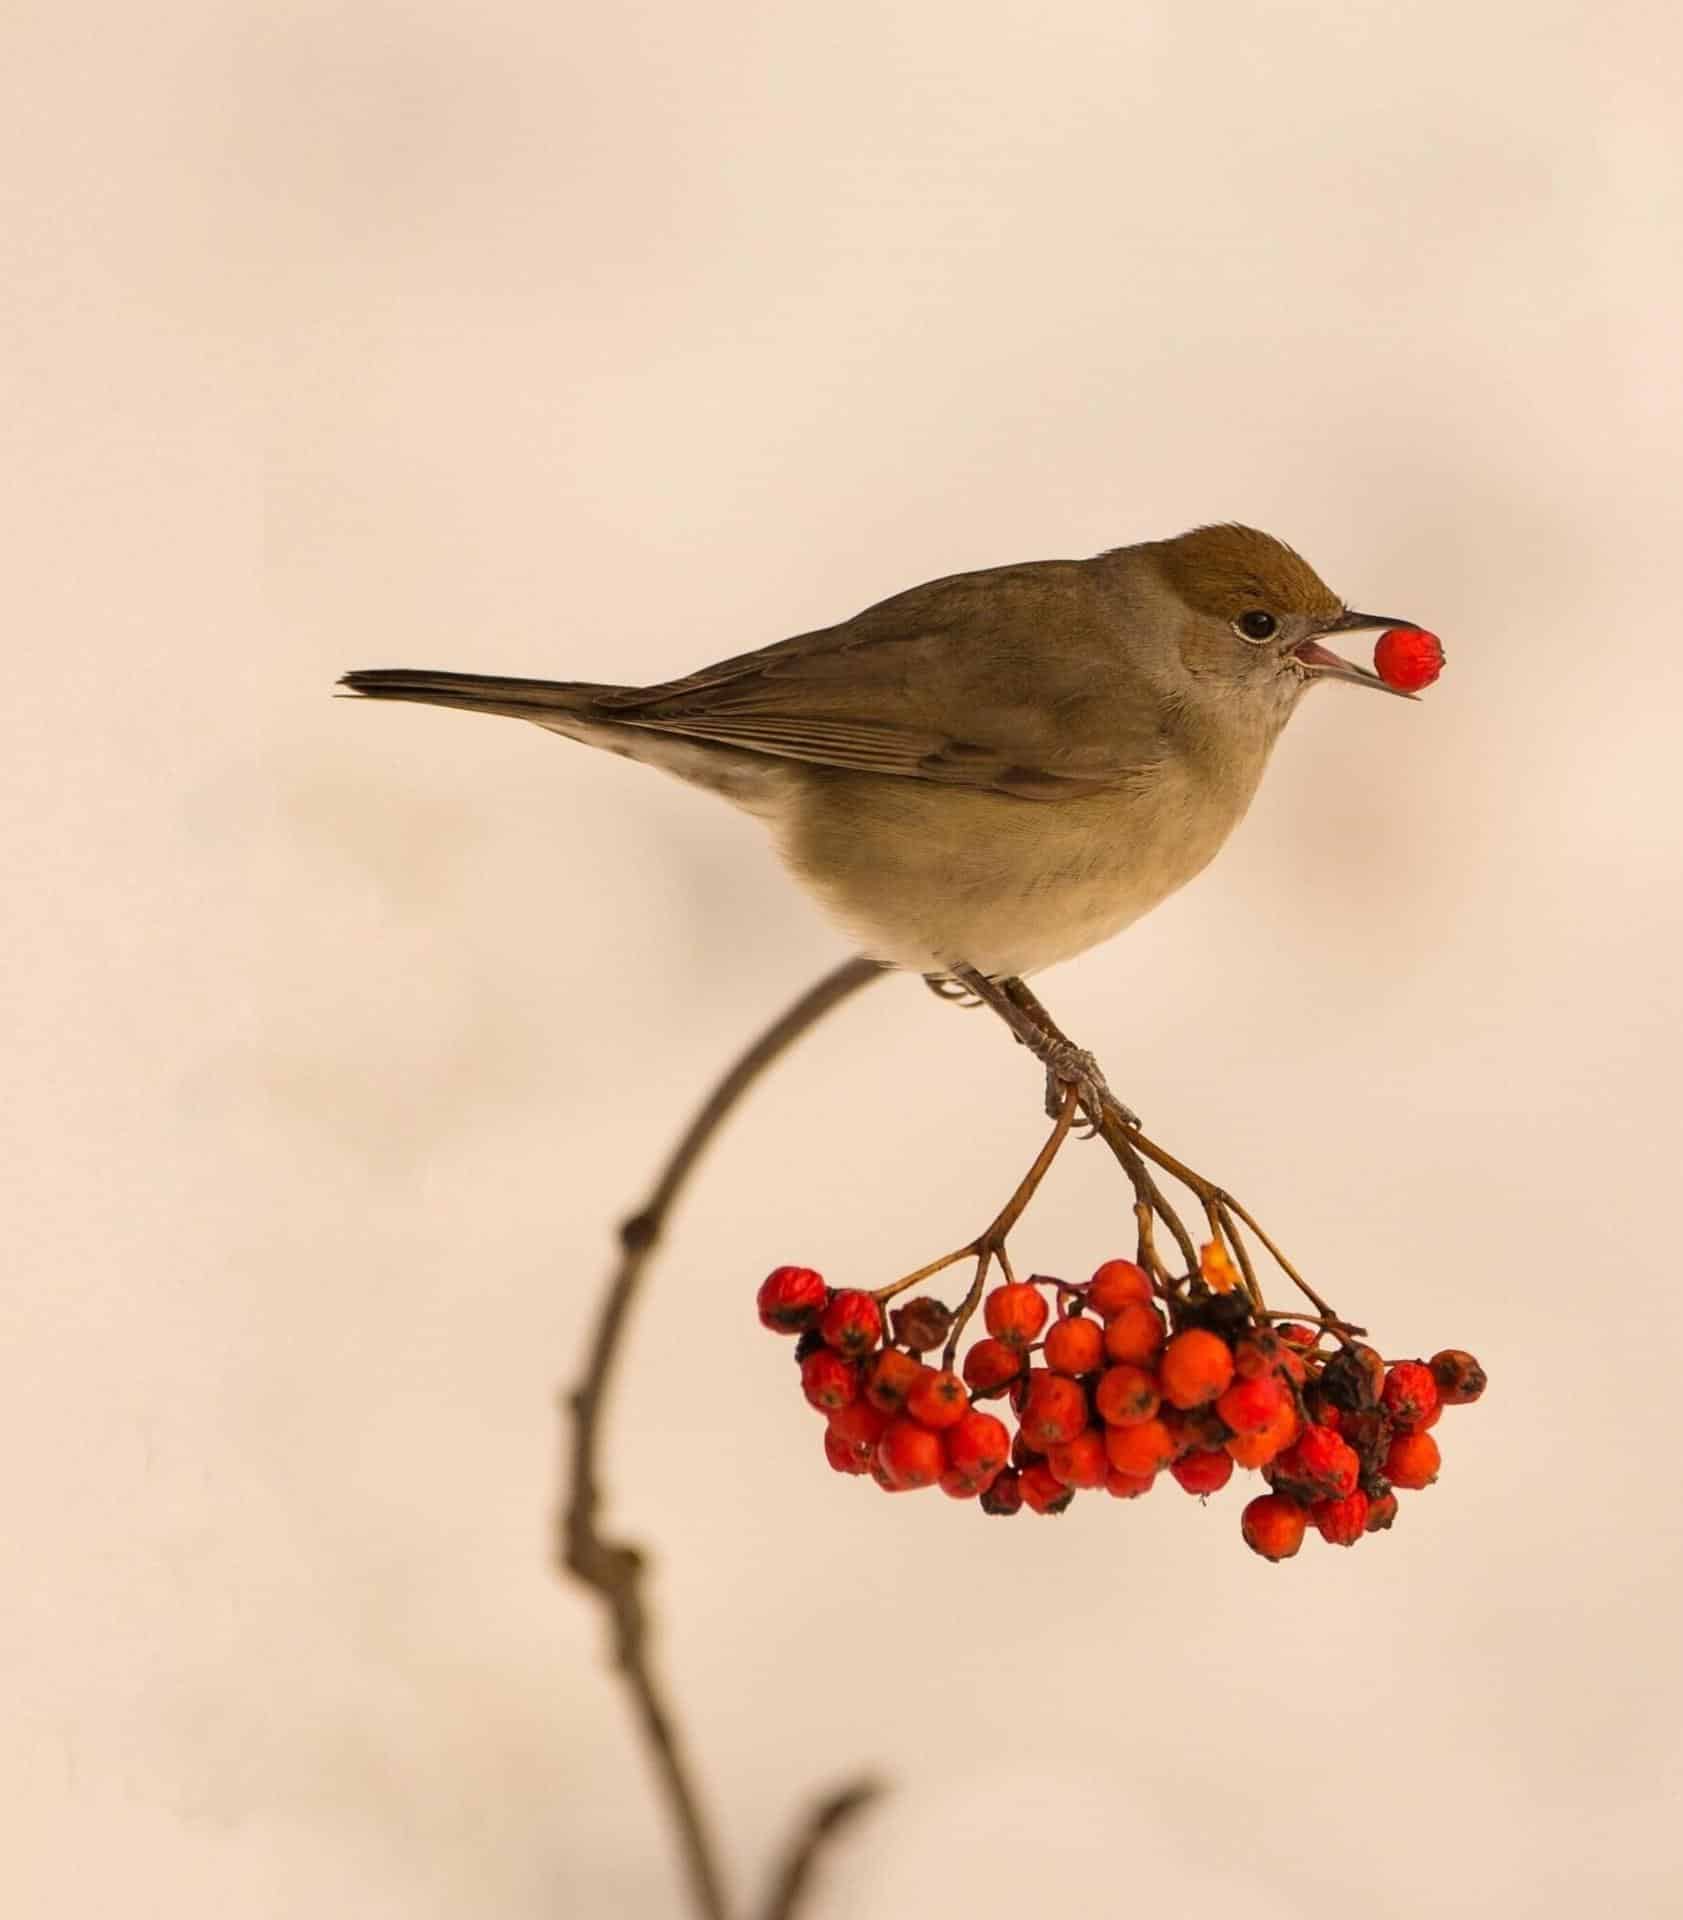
(1227, 570)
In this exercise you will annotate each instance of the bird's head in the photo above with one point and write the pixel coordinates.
(1252, 618)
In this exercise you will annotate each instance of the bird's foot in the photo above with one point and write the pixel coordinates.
(945, 988)
(1068, 1066)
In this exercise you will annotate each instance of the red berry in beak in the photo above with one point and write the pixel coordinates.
(1408, 658)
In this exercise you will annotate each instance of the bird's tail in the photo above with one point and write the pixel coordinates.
(544, 701)
(595, 715)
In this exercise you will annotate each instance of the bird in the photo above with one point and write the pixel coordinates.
(997, 770)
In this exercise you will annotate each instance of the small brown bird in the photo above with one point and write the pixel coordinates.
(997, 770)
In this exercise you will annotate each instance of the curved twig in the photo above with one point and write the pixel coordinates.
(614, 1568)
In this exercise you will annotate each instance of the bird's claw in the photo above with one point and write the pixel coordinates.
(1071, 1066)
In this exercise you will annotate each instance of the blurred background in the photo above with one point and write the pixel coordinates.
(602, 343)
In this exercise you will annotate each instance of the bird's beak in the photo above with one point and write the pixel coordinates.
(1324, 664)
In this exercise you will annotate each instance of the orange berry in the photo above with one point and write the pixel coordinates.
(1202, 1471)
(1250, 1406)
(1074, 1345)
(1413, 1461)
(1144, 1448)
(1459, 1376)
(1128, 1486)
(790, 1299)
(1015, 1313)
(1114, 1285)
(1273, 1526)
(978, 1444)
(990, 1364)
(851, 1323)
(1056, 1409)
(937, 1399)
(889, 1377)
(828, 1381)
(1257, 1449)
(1341, 1523)
(910, 1456)
(1042, 1491)
(1079, 1462)
(1125, 1396)
(1196, 1367)
(1411, 1395)
(1135, 1333)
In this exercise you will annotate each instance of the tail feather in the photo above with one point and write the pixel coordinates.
(585, 712)
(537, 700)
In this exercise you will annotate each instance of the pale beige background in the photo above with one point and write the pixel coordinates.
(605, 341)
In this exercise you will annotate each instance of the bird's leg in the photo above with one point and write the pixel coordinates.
(944, 988)
(1066, 1064)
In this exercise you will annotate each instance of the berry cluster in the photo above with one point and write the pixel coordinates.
(1113, 1384)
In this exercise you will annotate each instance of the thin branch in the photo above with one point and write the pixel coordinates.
(820, 1828)
(614, 1568)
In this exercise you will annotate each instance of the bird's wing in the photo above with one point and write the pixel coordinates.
(1019, 680)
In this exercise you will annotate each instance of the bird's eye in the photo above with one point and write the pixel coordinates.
(1257, 625)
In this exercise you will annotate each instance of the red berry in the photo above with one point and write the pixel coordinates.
(978, 1444)
(990, 1364)
(828, 1381)
(1128, 1486)
(1125, 1396)
(1203, 1472)
(889, 1377)
(1043, 1491)
(1411, 1395)
(1318, 1465)
(1273, 1526)
(1079, 1462)
(851, 1323)
(1015, 1313)
(1459, 1376)
(956, 1484)
(1408, 658)
(1196, 1367)
(1250, 1406)
(1341, 1522)
(910, 1455)
(1114, 1285)
(1145, 1448)
(1075, 1345)
(1257, 1449)
(1381, 1511)
(921, 1323)
(1003, 1493)
(1303, 1338)
(859, 1424)
(1056, 1409)
(1413, 1461)
(938, 1399)
(1135, 1333)
(790, 1299)
(843, 1455)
